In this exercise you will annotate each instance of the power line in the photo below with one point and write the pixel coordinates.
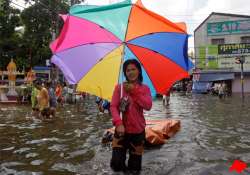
(39, 2)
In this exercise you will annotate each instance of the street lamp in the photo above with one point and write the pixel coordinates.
(241, 60)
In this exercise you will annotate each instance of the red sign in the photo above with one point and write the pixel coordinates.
(238, 166)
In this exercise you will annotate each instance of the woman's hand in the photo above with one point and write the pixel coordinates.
(120, 130)
(128, 87)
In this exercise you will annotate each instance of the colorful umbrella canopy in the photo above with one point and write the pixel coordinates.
(95, 40)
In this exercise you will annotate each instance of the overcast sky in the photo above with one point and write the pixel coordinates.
(192, 12)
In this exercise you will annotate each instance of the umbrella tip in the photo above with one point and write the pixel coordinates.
(139, 3)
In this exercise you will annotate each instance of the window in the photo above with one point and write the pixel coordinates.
(245, 39)
(217, 41)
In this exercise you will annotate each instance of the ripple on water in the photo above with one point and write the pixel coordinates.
(10, 164)
(8, 149)
(42, 140)
(22, 150)
(31, 155)
(65, 166)
(213, 134)
(79, 132)
(77, 153)
(58, 147)
(8, 171)
(31, 126)
(54, 131)
(37, 162)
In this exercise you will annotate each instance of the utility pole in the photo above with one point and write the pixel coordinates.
(241, 60)
(30, 57)
(54, 30)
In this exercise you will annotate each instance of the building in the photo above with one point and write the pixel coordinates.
(49, 73)
(218, 40)
(42, 72)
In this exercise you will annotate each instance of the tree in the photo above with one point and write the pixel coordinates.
(72, 2)
(41, 20)
(9, 39)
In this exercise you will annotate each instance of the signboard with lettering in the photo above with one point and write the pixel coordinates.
(228, 49)
(229, 62)
(209, 58)
(228, 27)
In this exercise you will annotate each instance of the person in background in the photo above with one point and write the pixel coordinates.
(59, 93)
(31, 76)
(103, 105)
(166, 98)
(189, 87)
(221, 92)
(106, 106)
(43, 102)
(99, 102)
(130, 128)
(34, 102)
(225, 89)
(64, 93)
(52, 99)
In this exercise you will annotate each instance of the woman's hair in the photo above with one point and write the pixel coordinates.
(137, 65)
(37, 82)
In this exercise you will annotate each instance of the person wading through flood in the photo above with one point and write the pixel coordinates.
(34, 102)
(43, 101)
(166, 98)
(52, 99)
(130, 129)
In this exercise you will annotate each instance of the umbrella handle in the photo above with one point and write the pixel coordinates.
(121, 94)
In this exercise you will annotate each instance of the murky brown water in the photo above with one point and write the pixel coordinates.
(213, 134)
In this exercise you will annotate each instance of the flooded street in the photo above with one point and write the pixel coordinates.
(213, 134)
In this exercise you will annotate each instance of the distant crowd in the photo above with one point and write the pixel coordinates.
(45, 99)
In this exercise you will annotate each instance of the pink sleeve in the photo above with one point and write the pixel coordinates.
(114, 107)
(142, 97)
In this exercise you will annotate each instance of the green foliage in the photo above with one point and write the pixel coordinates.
(39, 21)
(9, 39)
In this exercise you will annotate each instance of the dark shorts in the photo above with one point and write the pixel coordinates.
(45, 112)
(52, 103)
(129, 141)
(35, 109)
(59, 99)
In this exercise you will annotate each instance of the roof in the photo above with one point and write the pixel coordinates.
(41, 68)
(216, 77)
(222, 14)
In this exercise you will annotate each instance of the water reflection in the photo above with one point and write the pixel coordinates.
(214, 133)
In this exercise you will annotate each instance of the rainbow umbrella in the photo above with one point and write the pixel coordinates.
(96, 40)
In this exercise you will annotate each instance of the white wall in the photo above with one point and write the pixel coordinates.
(202, 39)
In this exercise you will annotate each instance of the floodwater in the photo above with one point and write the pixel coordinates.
(213, 134)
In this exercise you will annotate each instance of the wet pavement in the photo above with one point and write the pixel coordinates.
(213, 134)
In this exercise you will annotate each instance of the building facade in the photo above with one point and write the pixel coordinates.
(218, 41)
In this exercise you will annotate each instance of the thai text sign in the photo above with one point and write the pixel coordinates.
(228, 27)
(229, 63)
(227, 49)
